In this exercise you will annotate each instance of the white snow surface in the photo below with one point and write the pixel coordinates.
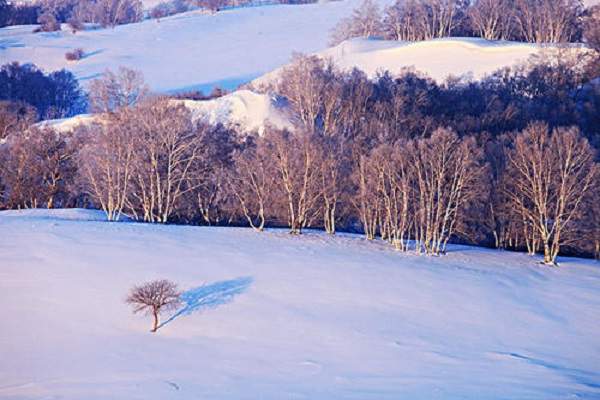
(244, 110)
(193, 50)
(272, 316)
(196, 50)
(465, 58)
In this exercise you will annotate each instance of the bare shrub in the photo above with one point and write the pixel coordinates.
(48, 22)
(74, 55)
(75, 24)
(153, 298)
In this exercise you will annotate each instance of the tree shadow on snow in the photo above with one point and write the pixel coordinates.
(210, 296)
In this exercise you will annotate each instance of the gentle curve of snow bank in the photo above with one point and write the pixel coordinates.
(469, 58)
(272, 316)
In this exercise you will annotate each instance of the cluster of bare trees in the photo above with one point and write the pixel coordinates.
(37, 168)
(77, 12)
(546, 192)
(536, 21)
(401, 159)
(145, 160)
(418, 189)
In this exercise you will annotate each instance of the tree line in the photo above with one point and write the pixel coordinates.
(50, 14)
(508, 162)
(534, 21)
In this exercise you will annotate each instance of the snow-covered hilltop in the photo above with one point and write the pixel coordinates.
(275, 316)
(200, 51)
(467, 58)
(194, 50)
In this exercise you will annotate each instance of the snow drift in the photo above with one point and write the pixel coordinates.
(466, 58)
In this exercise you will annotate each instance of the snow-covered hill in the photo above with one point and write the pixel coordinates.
(469, 58)
(271, 316)
(440, 59)
(194, 50)
(244, 110)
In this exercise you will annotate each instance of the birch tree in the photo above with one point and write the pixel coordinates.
(552, 173)
(492, 19)
(167, 145)
(297, 165)
(446, 169)
(106, 165)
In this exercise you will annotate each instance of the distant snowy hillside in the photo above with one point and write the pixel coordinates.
(471, 58)
(273, 316)
(194, 50)
(243, 109)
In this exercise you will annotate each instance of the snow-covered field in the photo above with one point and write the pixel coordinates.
(270, 316)
(194, 50)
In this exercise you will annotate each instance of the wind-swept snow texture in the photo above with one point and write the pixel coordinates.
(274, 316)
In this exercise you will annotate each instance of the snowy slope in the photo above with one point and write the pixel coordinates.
(194, 50)
(470, 58)
(243, 109)
(197, 50)
(247, 110)
(282, 317)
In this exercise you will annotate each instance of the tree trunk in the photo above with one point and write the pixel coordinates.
(156, 320)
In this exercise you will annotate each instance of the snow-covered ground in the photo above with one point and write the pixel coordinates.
(468, 58)
(194, 50)
(244, 110)
(270, 316)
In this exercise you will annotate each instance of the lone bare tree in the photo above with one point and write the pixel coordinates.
(153, 298)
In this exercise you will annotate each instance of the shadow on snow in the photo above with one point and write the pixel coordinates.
(210, 296)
